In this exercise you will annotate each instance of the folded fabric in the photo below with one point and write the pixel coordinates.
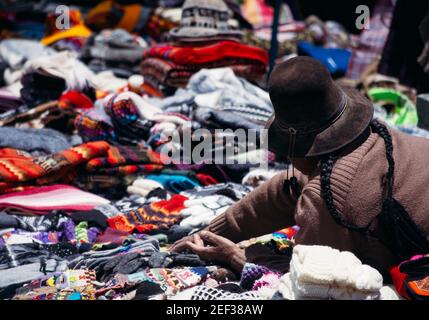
(125, 160)
(48, 222)
(15, 277)
(174, 183)
(320, 272)
(43, 200)
(18, 168)
(216, 119)
(199, 213)
(115, 45)
(45, 141)
(155, 216)
(207, 54)
(221, 89)
(168, 73)
(143, 187)
(231, 190)
(225, 98)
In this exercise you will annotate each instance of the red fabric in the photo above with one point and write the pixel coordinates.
(75, 100)
(398, 279)
(206, 179)
(208, 54)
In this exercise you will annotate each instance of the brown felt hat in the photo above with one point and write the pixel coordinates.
(313, 115)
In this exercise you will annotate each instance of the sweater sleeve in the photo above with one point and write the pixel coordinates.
(266, 209)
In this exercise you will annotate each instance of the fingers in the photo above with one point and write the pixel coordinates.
(212, 238)
(207, 253)
(178, 246)
(197, 240)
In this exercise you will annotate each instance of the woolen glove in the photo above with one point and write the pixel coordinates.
(200, 212)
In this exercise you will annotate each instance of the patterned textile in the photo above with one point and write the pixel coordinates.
(125, 160)
(174, 75)
(371, 42)
(152, 217)
(18, 168)
(126, 120)
(206, 293)
(95, 125)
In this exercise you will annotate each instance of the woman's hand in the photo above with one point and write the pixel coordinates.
(218, 249)
(181, 245)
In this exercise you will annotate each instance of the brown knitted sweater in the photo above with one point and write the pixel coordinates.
(357, 186)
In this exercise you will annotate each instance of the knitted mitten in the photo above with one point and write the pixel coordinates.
(200, 212)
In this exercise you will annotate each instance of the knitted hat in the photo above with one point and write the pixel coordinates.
(77, 28)
(204, 19)
(108, 14)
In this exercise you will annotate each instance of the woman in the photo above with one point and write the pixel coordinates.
(354, 185)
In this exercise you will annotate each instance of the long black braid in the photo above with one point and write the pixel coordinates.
(327, 164)
(401, 234)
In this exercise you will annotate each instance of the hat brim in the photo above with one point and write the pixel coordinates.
(352, 123)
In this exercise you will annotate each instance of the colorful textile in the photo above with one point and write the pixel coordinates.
(175, 75)
(156, 216)
(404, 112)
(74, 100)
(174, 183)
(77, 28)
(412, 278)
(42, 200)
(95, 125)
(18, 168)
(125, 160)
(252, 272)
(126, 120)
(208, 54)
(287, 233)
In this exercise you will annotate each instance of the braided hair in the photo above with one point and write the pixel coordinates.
(327, 164)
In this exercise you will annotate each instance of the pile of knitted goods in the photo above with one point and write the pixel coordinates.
(98, 180)
(201, 41)
(318, 272)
